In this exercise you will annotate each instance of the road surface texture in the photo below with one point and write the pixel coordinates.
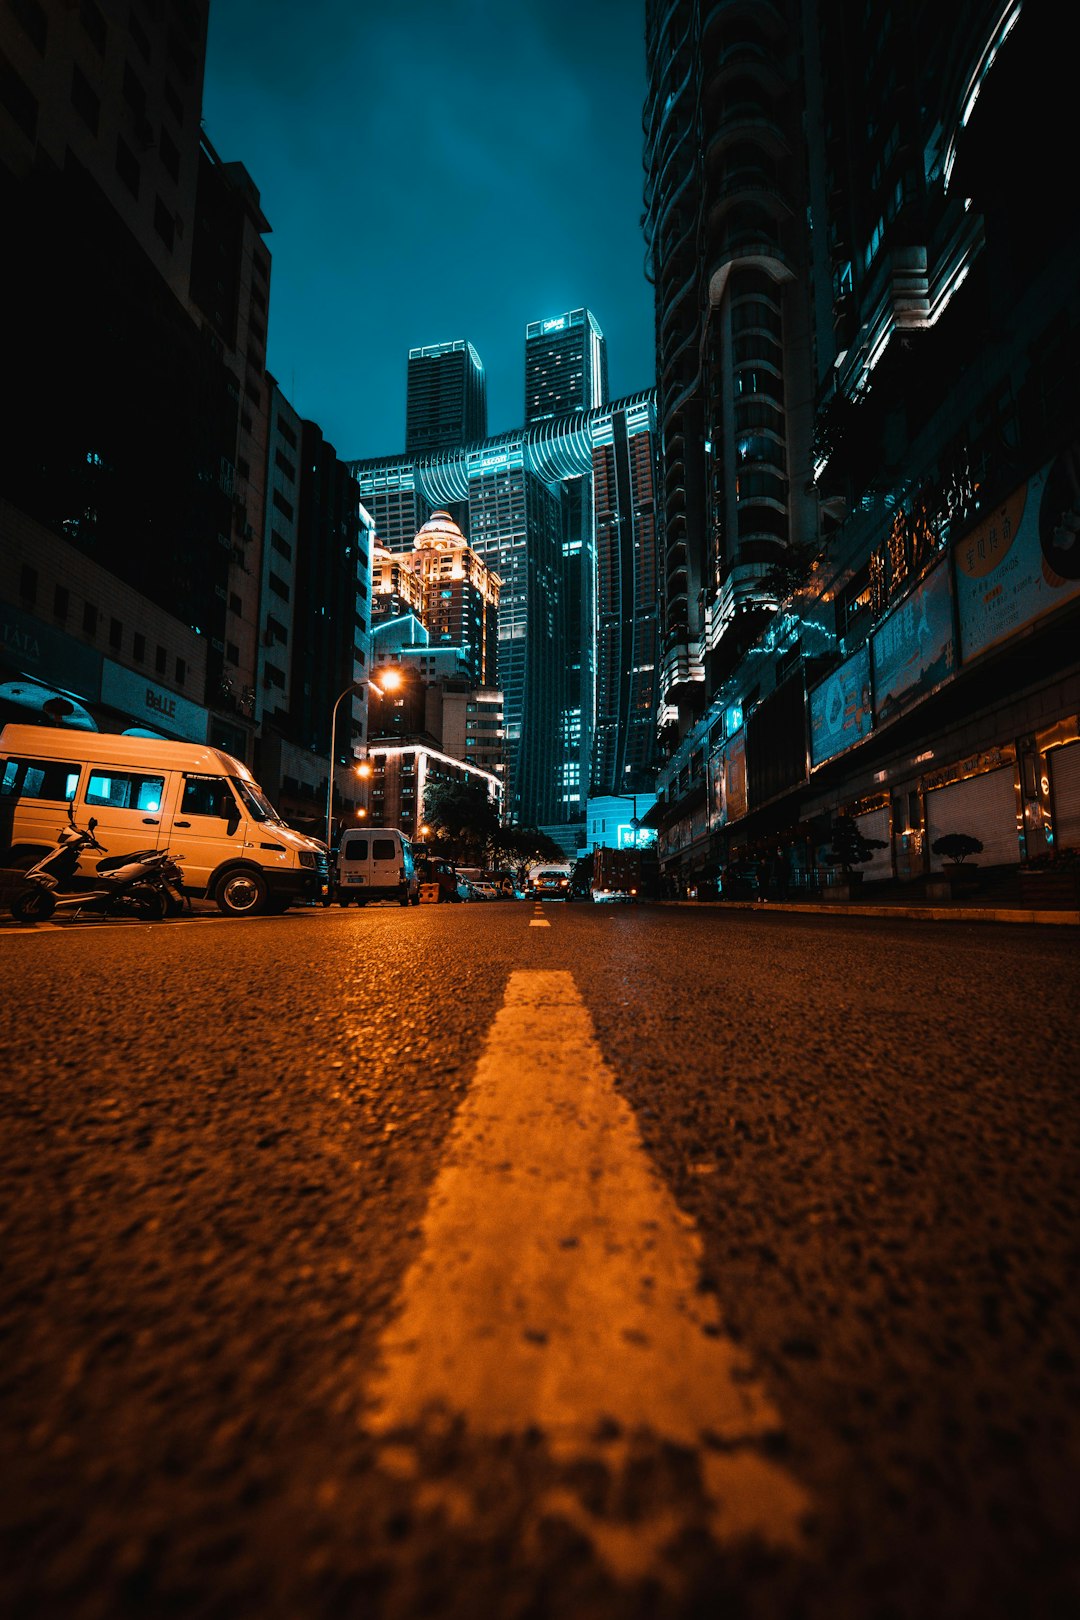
(604, 1263)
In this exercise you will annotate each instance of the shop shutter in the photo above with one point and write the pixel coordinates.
(1065, 786)
(984, 806)
(875, 824)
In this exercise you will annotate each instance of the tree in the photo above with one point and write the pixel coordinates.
(956, 847)
(849, 847)
(521, 846)
(462, 818)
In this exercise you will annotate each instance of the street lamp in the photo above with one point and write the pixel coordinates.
(348, 692)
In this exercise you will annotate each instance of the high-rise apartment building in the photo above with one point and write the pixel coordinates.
(868, 428)
(565, 366)
(446, 397)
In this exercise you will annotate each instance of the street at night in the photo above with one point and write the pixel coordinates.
(534, 1261)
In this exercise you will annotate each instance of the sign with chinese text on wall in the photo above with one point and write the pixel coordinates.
(912, 651)
(1023, 560)
(840, 712)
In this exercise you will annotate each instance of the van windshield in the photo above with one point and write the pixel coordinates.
(255, 802)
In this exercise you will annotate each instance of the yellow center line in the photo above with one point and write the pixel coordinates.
(558, 1288)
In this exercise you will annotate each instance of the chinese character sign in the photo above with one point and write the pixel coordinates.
(913, 650)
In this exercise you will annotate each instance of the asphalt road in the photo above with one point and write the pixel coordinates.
(650, 1263)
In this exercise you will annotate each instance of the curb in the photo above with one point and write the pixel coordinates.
(834, 908)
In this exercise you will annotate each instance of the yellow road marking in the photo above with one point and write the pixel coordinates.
(557, 1288)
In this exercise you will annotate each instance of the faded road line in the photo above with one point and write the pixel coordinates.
(557, 1290)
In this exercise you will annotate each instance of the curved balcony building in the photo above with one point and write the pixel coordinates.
(724, 223)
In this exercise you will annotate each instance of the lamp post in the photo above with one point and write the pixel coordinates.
(349, 690)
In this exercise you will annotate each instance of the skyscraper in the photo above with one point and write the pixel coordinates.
(529, 501)
(565, 366)
(868, 439)
(446, 398)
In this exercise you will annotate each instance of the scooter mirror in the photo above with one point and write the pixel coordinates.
(92, 823)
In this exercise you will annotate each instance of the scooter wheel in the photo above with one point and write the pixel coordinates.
(150, 904)
(33, 905)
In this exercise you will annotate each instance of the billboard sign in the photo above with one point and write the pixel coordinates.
(840, 711)
(913, 651)
(1023, 559)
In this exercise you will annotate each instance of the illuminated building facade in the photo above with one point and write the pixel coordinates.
(869, 435)
(446, 397)
(528, 500)
(565, 366)
(459, 595)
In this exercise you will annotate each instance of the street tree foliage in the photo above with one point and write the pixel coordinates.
(462, 819)
(521, 847)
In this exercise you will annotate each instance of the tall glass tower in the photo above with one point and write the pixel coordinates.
(565, 366)
(446, 397)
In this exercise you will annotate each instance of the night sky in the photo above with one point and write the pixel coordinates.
(437, 170)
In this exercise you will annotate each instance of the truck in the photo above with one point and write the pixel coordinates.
(625, 875)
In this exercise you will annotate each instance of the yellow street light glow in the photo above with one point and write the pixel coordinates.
(363, 769)
(391, 680)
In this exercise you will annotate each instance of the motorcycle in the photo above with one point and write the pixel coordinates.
(147, 884)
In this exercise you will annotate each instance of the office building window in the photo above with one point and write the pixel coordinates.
(28, 583)
(161, 660)
(60, 603)
(116, 634)
(89, 619)
(181, 672)
(164, 223)
(127, 166)
(83, 99)
(138, 647)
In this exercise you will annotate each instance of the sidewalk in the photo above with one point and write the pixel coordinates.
(990, 910)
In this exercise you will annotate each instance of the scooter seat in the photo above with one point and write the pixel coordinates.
(112, 861)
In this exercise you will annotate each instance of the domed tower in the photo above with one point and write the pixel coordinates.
(459, 595)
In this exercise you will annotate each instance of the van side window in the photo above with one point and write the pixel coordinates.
(125, 790)
(207, 796)
(355, 849)
(39, 779)
(382, 849)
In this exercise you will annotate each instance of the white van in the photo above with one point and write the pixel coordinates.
(149, 793)
(375, 863)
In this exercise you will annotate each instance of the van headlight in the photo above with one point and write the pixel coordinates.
(308, 858)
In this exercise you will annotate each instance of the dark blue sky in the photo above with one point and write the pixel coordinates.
(431, 170)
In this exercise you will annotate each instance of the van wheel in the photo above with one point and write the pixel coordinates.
(403, 899)
(241, 893)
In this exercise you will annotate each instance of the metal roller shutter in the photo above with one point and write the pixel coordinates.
(1065, 788)
(875, 824)
(984, 806)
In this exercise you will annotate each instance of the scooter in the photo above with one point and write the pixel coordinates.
(147, 884)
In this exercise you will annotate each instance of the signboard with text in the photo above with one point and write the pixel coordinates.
(1023, 559)
(151, 705)
(913, 650)
(840, 712)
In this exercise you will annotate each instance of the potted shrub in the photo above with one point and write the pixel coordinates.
(954, 847)
(850, 849)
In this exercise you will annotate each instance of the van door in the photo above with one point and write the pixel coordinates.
(386, 863)
(129, 807)
(34, 798)
(206, 826)
(353, 865)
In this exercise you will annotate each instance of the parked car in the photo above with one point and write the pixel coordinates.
(550, 883)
